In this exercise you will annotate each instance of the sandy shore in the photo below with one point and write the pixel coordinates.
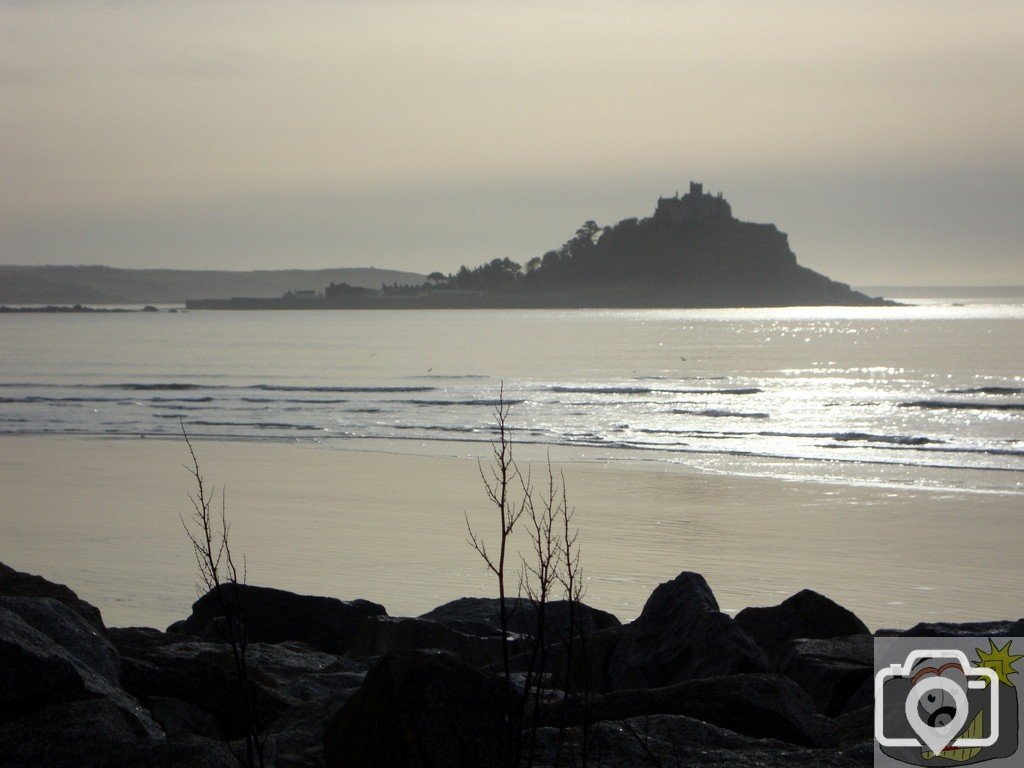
(387, 525)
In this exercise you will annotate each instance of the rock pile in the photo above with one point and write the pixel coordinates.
(343, 685)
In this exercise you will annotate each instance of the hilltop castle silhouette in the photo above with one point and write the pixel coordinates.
(692, 208)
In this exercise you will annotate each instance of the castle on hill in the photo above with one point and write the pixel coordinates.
(694, 207)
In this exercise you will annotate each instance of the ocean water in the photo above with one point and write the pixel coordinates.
(927, 396)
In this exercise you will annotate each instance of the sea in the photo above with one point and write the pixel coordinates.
(927, 395)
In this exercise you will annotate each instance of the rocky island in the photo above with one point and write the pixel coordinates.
(342, 683)
(692, 252)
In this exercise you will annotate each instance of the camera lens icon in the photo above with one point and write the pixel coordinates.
(936, 709)
(928, 703)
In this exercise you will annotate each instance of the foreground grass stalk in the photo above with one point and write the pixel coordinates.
(211, 546)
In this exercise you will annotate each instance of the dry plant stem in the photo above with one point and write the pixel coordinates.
(211, 547)
(554, 560)
(498, 484)
(538, 581)
(572, 583)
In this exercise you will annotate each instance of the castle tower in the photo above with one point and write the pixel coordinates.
(693, 208)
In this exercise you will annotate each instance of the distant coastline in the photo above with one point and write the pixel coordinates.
(50, 309)
(946, 291)
(638, 298)
(109, 286)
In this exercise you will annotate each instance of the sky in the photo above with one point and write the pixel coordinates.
(886, 138)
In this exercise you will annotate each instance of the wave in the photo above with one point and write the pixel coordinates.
(600, 390)
(893, 439)
(952, 449)
(733, 391)
(255, 425)
(652, 391)
(442, 377)
(955, 405)
(312, 401)
(185, 386)
(838, 436)
(485, 402)
(367, 390)
(717, 413)
(175, 387)
(679, 378)
(180, 400)
(42, 399)
(986, 391)
(441, 428)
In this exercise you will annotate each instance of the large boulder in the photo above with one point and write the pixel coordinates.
(180, 719)
(275, 615)
(380, 635)
(583, 665)
(298, 735)
(191, 685)
(418, 709)
(69, 630)
(679, 635)
(806, 614)
(677, 740)
(203, 676)
(37, 672)
(762, 706)
(85, 732)
(302, 673)
(18, 584)
(95, 733)
(482, 616)
(1007, 628)
(830, 670)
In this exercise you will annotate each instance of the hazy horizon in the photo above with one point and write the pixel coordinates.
(885, 138)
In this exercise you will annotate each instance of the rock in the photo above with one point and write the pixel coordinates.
(164, 668)
(36, 672)
(94, 733)
(806, 614)
(17, 584)
(482, 616)
(679, 635)
(89, 732)
(418, 709)
(132, 640)
(274, 616)
(181, 719)
(203, 676)
(857, 726)
(383, 634)
(675, 740)
(586, 669)
(69, 630)
(299, 672)
(192, 752)
(830, 670)
(862, 697)
(966, 629)
(299, 734)
(762, 706)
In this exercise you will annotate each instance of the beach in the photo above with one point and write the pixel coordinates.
(383, 522)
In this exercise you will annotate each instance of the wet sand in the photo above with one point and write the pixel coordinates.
(388, 524)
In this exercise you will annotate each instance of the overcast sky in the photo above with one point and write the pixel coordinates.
(887, 138)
